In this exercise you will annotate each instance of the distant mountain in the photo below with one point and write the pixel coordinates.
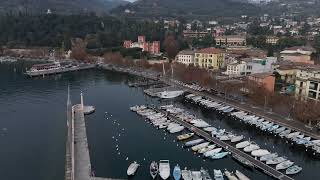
(158, 8)
(59, 6)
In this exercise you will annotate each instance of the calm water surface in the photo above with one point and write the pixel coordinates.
(33, 129)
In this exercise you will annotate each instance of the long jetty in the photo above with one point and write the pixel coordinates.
(258, 164)
(77, 163)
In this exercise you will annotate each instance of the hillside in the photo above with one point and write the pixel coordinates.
(158, 8)
(59, 6)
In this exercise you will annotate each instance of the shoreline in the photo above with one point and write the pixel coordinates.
(293, 124)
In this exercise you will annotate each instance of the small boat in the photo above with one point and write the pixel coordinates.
(284, 165)
(210, 129)
(185, 136)
(176, 129)
(236, 139)
(242, 144)
(172, 125)
(186, 174)
(243, 161)
(293, 170)
(219, 155)
(230, 175)
(292, 135)
(164, 169)
(176, 172)
(154, 169)
(251, 147)
(193, 142)
(241, 176)
(200, 146)
(212, 152)
(218, 174)
(276, 160)
(169, 94)
(284, 133)
(260, 152)
(279, 130)
(203, 150)
(268, 157)
(196, 175)
(205, 174)
(224, 138)
(132, 168)
(272, 128)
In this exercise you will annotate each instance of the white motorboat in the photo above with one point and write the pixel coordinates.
(218, 174)
(284, 165)
(224, 138)
(276, 160)
(230, 175)
(285, 133)
(186, 174)
(200, 146)
(293, 170)
(203, 150)
(172, 125)
(132, 168)
(241, 176)
(193, 142)
(164, 169)
(201, 124)
(242, 144)
(176, 129)
(251, 147)
(210, 129)
(260, 152)
(237, 138)
(279, 130)
(212, 152)
(292, 135)
(196, 175)
(169, 94)
(268, 157)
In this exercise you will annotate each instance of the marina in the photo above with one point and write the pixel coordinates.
(99, 88)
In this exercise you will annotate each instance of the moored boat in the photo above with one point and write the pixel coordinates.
(132, 168)
(203, 150)
(205, 174)
(219, 155)
(176, 129)
(154, 169)
(243, 161)
(212, 152)
(242, 144)
(260, 152)
(200, 146)
(276, 160)
(230, 175)
(186, 174)
(164, 169)
(236, 138)
(218, 174)
(176, 172)
(268, 157)
(193, 142)
(251, 147)
(196, 175)
(284, 165)
(185, 136)
(293, 170)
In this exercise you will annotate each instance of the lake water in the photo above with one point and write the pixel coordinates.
(33, 129)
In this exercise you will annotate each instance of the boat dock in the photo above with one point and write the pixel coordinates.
(154, 91)
(258, 164)
(78, 164)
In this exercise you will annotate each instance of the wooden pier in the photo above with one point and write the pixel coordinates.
(258, 164)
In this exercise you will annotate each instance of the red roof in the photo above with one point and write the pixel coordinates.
(210, 50)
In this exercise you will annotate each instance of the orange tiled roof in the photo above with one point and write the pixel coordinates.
(210, 50)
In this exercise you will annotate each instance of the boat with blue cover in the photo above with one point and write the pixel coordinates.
(219, 155)
(177, 172)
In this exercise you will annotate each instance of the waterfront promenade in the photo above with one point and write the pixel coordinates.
(258, 164)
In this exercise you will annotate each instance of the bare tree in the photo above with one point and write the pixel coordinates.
(171, 46)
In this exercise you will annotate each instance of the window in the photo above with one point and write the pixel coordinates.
(313, 86)
(312, 94)
(301, 84)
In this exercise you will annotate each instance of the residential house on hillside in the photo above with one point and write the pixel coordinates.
(185, 57)
(231, 41)
(195, 34)
(298, 54)
(273, 40)
(209, 58)
(151, 47)
(308, 83)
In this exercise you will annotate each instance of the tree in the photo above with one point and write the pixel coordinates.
(171, 46)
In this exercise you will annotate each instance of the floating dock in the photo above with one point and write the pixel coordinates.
(257, 164)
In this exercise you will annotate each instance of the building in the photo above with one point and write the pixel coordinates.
(151, 47)
(298, 54)
(185, 57)
(308, 83)
(272, 40)
(251, 66)
(231, 41)
(265, 80)
(195, 34)
(209, 58)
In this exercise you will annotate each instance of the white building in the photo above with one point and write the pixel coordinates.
(308, 83)
(185, 57)
(250, 66)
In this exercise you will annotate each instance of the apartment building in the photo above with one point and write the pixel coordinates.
(298, 54)
(231, 41)
(308, 83)
(185, 57)
(209, 58)
(151, 47)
